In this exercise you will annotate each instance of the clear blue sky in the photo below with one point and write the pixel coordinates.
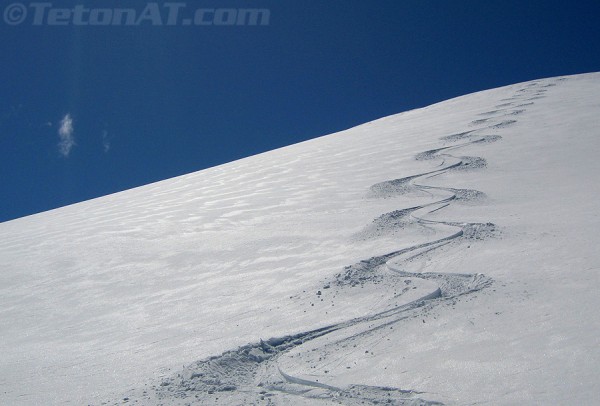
(151, 102)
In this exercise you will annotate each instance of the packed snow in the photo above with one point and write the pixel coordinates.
(445, 255)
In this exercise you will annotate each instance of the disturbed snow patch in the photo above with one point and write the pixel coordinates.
(387, 224)
(394, 187)
(467, 195)
(470, 162)
(458, 136)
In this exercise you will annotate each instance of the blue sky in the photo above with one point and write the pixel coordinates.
(90, 110)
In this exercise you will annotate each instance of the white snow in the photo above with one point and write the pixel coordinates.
(126, 296)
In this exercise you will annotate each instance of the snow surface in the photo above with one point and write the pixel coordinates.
(442, 255)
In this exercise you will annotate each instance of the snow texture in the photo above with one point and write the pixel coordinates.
(445, 255)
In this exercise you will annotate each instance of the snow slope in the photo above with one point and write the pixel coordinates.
(441, 255)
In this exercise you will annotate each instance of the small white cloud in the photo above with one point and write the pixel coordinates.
(105, 141)
(65, 133)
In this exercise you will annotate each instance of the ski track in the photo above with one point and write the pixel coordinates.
(252, 375)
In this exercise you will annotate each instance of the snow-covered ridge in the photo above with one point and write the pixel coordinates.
(442, 255)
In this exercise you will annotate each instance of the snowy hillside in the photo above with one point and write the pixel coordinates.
(445, 255)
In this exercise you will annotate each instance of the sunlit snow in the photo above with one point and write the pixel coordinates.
(445, 255)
